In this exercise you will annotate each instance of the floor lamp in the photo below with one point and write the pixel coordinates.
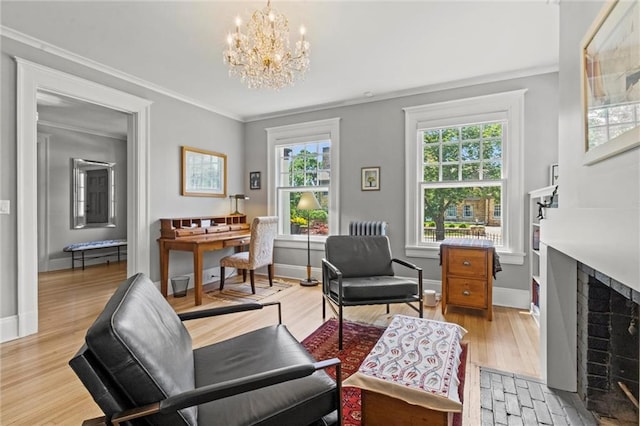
(308, 202)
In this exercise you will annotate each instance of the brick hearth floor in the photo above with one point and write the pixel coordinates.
(511, 399)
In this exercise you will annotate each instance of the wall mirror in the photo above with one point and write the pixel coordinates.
(93, 194)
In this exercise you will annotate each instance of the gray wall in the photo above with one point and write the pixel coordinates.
(64, 145)
(173, 124)
(372, 134)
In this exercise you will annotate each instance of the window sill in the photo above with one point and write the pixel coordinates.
(506, 257)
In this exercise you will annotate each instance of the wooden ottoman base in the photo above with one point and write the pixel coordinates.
(383, 410)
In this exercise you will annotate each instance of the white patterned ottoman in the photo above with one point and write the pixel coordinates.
(411, 374)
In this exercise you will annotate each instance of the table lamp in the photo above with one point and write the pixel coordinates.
(238, 197)
(308, 202)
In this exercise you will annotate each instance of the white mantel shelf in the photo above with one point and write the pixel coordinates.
(608, 240)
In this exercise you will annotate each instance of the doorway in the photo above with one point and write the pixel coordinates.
(82, 175)
(31, 78)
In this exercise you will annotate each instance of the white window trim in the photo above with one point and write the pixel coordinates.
(299, 133)
(506, 105)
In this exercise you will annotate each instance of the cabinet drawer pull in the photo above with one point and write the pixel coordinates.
(466, 293)
(466, 263)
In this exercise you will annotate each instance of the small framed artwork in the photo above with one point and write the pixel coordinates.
(611, 81)
(254, 180)
(204, 173)
(370, 179)
(553, 174)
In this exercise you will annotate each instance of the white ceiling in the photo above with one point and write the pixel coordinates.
(386, 48)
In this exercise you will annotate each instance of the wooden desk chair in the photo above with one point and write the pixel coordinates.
(263, 233)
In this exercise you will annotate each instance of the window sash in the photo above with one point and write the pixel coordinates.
(327, 131)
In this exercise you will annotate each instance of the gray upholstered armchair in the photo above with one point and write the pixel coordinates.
(358, 270)
(140, 368)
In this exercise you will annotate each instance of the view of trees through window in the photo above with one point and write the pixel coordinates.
(463, 181)
(304, 168)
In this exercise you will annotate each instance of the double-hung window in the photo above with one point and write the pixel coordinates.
(464, 156)
(303, 159)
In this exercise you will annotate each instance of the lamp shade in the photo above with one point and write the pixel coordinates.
(308, 202)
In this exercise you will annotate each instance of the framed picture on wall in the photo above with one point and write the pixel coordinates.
(254, 180)
(611, 81)
(370, 179)
(204, 173)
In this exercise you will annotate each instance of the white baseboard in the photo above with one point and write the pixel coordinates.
(65, 262)
(296, 272)
(511, 298)
(8, 328)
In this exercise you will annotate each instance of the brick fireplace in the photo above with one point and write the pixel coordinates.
(608, 335)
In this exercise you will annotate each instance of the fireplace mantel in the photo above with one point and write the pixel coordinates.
(608, 240)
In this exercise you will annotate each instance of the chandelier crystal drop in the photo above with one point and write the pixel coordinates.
(261, 57)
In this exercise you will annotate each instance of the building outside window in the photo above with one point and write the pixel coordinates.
(462, 165)
(468, 211)
(496, 211)
(463, 156)
(303, 159)
(452, 212)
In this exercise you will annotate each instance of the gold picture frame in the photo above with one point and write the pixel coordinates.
(370, 179)
(611, 81)
(204, 173)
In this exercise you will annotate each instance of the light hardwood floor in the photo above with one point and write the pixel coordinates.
(38, 387)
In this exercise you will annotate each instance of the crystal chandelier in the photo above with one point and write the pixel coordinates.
(262, 57)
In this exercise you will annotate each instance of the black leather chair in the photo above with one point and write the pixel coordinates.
(358, 270)
(138, 364)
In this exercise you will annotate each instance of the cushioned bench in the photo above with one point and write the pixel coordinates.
(412, 375)
(92, 245)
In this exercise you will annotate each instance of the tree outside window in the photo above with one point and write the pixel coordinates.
(462, 171)
(305, 168)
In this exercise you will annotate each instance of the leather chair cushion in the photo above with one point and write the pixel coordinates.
(359, 256)
(372, 288)
(142, 344)
(98, 382)
(298, 402)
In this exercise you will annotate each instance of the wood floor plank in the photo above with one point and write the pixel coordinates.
(38, 387)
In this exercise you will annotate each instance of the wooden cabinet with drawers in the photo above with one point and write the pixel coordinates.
(467, 274)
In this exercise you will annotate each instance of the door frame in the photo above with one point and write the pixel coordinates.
(32, 77)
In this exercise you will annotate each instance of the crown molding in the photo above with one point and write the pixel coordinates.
(105, 69)
(71, 128)
(485, 79)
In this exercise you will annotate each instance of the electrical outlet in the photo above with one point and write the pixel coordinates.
(5, 206)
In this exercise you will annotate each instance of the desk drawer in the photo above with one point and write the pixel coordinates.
(187, 232)
(467, 262)
(237, 242)
(467, 292)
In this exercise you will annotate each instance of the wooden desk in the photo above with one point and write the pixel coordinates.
(214, 239)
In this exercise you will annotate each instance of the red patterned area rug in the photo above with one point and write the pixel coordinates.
(358, 340)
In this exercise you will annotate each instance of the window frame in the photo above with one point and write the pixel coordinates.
(300, 133)
(497, 208)
(465, 208)
(447, 214)
(507, 106)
